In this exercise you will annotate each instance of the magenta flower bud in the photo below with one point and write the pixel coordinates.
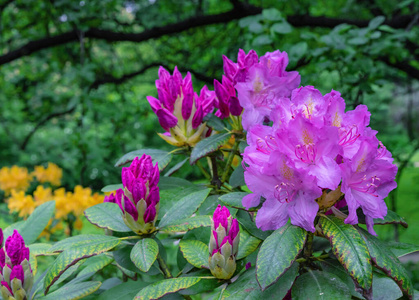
(223, 245)
(127, 178)
(166, 118)
(150, 213)
(17, 272)
(154, 103)
(14, 248)
(187, 104)
(230, 68)
(197, 118)
(248, 265)
(1, 237)
(2, 259)
(130, 208)
(153, 196)
(234, 106)
(138, 190)
(110, 198)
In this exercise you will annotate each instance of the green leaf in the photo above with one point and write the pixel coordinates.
(385, 288)
(163, 158)
(40, 249)
(377, 21)
(184, 208)
(144, 254)
(195, 252)
(278, 252)
(74, 291)
(402, 249)
(359, 40)
(111, 188)
(317, 285)
(188, 224)
(164, 287)
(214, 121)
(106, 215)
(176, 167)
(350, 249)
(391, 218)
(95, 264)
(387, 262)
(123, 291)
(282, 28)
(209, 145)
(237, 177)
(271, 14)
(34, 225)
(167, 183)
(247, 288)
(170, 198)
(76, 253)
(78, 240)
(233, 199)
(244, 219)
(262, 39)
(247, 244)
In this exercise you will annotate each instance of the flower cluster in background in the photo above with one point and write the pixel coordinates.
(69, 205)
(311, 146)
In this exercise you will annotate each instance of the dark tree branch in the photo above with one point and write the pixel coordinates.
(42, 122)
(402, 66)
(118, 80)
(238, 12)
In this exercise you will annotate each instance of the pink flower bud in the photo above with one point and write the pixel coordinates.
(166, 118)
(130, 208)
(17, 272)
(154, 103)
(15, 248)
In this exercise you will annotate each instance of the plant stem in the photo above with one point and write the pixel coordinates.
(215, 179)
(163, 267)
(230, 160)
(206, 174)
(308, 247)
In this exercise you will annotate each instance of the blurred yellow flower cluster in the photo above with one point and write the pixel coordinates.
(69, 206)
(51, 174)
(14, 178)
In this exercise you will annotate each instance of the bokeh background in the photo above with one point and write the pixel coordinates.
(74, 76)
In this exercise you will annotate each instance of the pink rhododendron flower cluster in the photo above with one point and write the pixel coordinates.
(179, 109)
(312, 147)
(260, 83)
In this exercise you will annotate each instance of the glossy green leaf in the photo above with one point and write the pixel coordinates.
(167, 183)
(350, 249)
(162, 157)
(95, 263)
(214, 122)
(169, 198)
(402, 249)
(34, 225)
(40, 249)
(164, 287)
(391, 218)
(76, 253)
(282, 28)
(247, 288)
(188, 224)
(377, 21)
(195, 252)
(209, 145)
(237, 177)
(184, 208)
(278, 252)
(387, 262)
(106, 215)
(233, 199)
(246, 221)
(247, 244)
(74, 291)
(78, 240)
(318, 285)
(144, 254)
(384, 287)
(111, 188)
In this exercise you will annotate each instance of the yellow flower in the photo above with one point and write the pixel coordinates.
(42, 195)
(51, 174)
(21, 203)
(48, 230)
(61, 198)
(14, 178)
(229, 145)
(78, 224)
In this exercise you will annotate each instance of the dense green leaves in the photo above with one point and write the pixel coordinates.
(163, 158)
(387, 262)
(278, 252)
(123, 291)
(76, 253)
(237, 177)
(185, 207)
(106, 215)
(34, 225)
(195, 252)
(317, 285)
(350, 249)
(209, 145)
(187, 224)
(74, 291)
(95, 263)
(246, 221)
(164, 287)
(144, 254)
(233, 199)
(78, 240)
